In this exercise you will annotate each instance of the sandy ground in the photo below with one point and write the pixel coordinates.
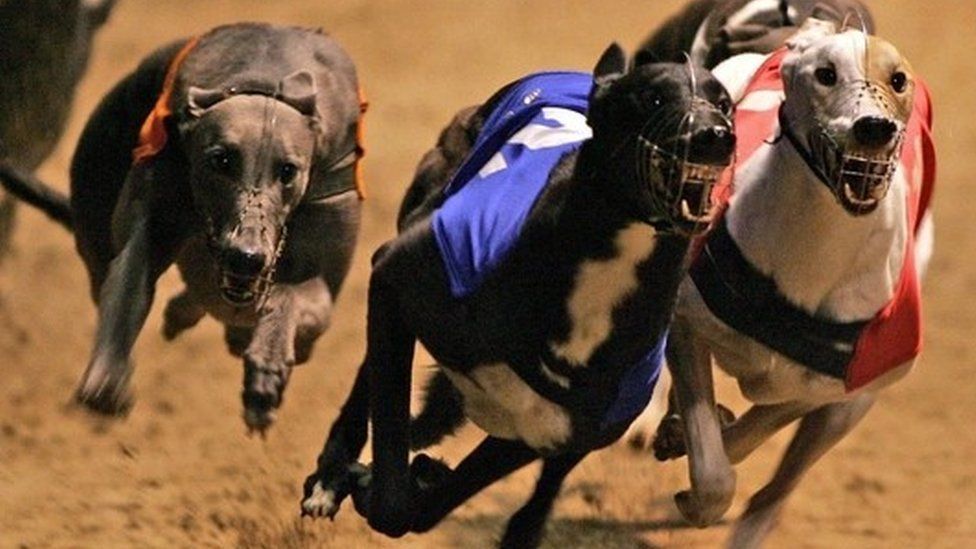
(180, 472)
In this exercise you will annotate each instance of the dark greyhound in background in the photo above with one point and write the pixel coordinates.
(44, 50)
(541, 351)
(711, 31)
(246, 154)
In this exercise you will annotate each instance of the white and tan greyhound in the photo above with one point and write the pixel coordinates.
(807, 289)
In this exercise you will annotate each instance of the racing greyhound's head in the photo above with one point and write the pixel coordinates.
(250, 154)
(666, 130)
(848, 100)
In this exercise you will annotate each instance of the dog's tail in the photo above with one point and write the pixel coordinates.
(35, 192)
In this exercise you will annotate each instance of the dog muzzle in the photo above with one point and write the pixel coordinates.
(241, 290)
(680, 188)
(857, 180)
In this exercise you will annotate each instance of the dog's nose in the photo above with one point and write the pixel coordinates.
(874, 131)
(712, 145)
(244, 261)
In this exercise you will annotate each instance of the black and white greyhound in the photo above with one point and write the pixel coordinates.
(539, 351)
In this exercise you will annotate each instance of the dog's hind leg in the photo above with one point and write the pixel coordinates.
(758, 424)
(712, 476)
(818, 432)
(491, 461)
(525, 528)
(740, 436)
(181, 314)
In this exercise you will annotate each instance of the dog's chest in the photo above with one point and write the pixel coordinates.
(502, 403)
(599, 287)
(764, 376)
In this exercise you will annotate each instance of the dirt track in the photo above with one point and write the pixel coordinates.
(179, 472)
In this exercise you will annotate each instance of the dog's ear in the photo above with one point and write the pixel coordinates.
(611, 66)
(199, 100)
(97, 11)
(645, 56)
(811, 31)
(298, 89)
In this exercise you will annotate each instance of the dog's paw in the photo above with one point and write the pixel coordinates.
(428, 473)
(323, 495)
(669, 440)
(319, 501)
(105, 390)
(391, 514)
(264, 388)
(701, 512)
(711, 498)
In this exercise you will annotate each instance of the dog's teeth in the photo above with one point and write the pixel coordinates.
(879, 192)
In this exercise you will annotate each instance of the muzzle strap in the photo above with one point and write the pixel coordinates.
(787, 130)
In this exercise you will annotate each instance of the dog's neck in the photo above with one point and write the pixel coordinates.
(791, 228)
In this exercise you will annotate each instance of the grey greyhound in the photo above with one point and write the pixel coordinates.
(543, 353)
(44, 50)
(234, 155)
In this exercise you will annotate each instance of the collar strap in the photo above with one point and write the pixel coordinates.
(750, 302)
(812, 163)
(339, 177)
(152, 134)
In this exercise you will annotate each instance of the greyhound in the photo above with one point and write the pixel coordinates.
(44, 49)
(548, 346)
(234, 155)
(711, 31)
(807, 289)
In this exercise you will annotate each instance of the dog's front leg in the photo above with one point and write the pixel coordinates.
(389, 359)
(712, 476)
(124, 301)
(291, 319)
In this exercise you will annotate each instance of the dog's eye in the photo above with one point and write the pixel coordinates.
(220, 160)
(899, 81)
(827, 76)
(725, 105)
(652, 100)
(287, 172)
